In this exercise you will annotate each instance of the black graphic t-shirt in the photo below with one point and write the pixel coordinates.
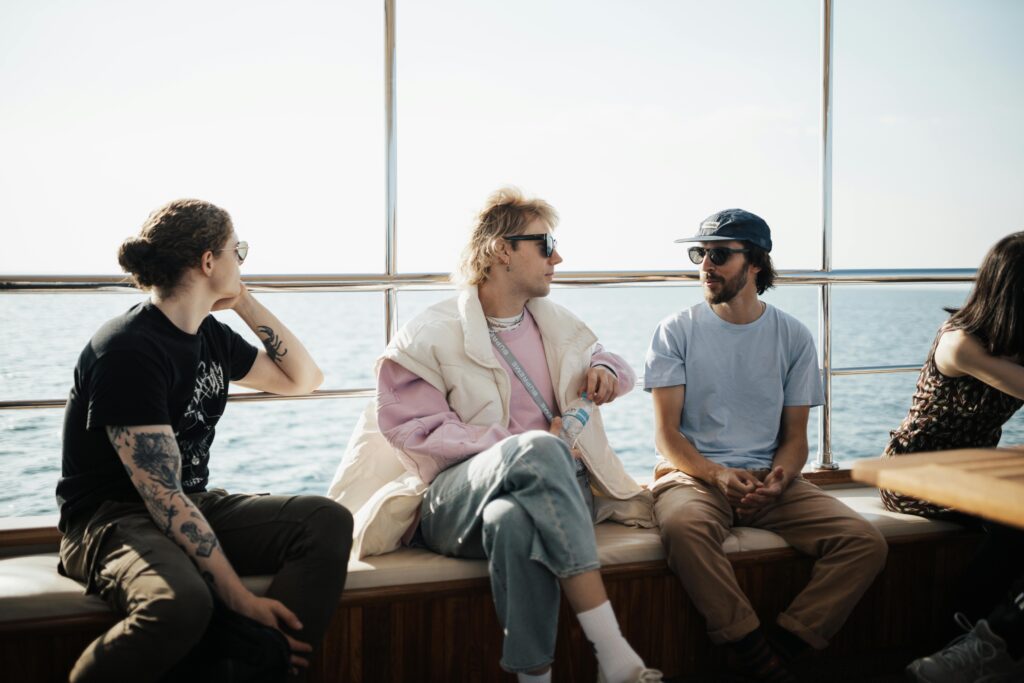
(141, 369)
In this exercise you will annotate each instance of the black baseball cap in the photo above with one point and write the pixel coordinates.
(734, 224)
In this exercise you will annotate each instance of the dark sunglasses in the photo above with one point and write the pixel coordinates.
(241, 251)
(548, 248)
(719, 255)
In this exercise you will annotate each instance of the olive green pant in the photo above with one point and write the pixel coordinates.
(695, 520)
(120, 554)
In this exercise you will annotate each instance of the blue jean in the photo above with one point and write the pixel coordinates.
(518, 505)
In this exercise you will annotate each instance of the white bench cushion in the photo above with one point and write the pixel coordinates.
(31, 588)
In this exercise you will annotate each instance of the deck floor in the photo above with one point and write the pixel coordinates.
(887, 667)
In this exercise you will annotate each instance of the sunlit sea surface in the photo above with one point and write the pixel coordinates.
(294, 446)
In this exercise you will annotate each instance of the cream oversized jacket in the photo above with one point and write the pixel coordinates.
(448, 346)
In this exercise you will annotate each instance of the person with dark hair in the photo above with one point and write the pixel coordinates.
(140, 528)
(733, 380)
(971, 383)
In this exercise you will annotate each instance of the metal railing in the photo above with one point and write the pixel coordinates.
(361, 282)
(825, 459)
(391, 281)
(390, 285)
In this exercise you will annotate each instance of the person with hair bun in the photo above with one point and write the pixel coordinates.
(140, 527)
(971, 384)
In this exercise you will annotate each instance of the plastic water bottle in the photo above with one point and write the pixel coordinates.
(575, 418)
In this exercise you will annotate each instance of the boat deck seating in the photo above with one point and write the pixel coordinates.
(393, 600)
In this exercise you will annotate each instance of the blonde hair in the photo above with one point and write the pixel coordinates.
(507, 212)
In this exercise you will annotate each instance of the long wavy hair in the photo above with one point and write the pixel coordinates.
(994, 311)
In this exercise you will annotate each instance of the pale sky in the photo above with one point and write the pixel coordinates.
(635, 119)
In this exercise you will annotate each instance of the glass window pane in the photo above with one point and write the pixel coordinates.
(412, 303)
(635, 120)
(885, 325)
(29, 461)
(275, 446)
(343, 331)
(928, 141)
(865, 408)
(47, 332)
(888, 325)
(282, 446)
(274, 115)
(624, 318)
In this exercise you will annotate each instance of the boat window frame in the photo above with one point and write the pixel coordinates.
(391, 281)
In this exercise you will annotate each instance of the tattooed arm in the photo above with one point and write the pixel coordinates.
(150, 456)
(283, 366)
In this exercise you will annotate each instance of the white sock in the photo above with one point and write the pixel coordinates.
(539, 678)
(615, 657)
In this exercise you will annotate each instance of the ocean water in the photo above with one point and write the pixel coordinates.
(295, 446)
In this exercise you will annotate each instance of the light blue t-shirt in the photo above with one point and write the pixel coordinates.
(738, 378)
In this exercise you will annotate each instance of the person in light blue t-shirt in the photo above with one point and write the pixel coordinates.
(733, 380)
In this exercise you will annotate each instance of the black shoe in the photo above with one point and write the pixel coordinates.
(234, 649)
(754, 660)
(786, 644)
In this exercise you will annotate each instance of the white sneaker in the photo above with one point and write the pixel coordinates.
(642, 676)
(968, 658)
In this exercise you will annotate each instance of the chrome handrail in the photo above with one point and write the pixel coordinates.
(369, 392)
(389, 284)
(390, 171)
(370, 282)
(874, 370)
(825, 460)
(241, 397)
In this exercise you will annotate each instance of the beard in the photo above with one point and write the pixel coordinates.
(728, 290)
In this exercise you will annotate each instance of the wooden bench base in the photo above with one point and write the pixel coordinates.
(449, 631)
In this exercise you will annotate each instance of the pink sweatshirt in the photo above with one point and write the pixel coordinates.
(416, 419)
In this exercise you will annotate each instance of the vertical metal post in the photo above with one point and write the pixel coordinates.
(390, 171)
(825, 318)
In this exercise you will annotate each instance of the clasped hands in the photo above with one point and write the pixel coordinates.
(746, 493)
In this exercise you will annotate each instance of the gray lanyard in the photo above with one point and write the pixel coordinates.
(531, 389)
(582, 475)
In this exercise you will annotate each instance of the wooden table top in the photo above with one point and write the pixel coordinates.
(988, 482)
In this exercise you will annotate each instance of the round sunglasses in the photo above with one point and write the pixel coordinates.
(718, 255)
(241, 251)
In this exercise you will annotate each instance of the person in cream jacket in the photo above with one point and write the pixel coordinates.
(458, 453)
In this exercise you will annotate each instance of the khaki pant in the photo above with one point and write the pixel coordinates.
(303, 541)
(695, 520)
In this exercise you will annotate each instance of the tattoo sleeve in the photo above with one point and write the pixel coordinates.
(273, 343)
(155, 455)
(204, 542)
(153, 462)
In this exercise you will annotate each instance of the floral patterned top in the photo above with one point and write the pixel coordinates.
(946, 413)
